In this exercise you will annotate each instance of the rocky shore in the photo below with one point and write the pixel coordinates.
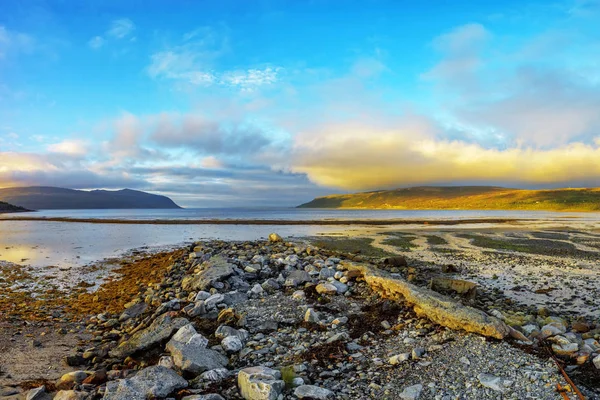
(279, 320)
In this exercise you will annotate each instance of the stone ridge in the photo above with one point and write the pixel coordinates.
(428, 303)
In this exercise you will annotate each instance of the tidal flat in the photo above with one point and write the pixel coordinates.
(297, 310)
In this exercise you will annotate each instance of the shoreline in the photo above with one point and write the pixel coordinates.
(342, 222)
(98, 312)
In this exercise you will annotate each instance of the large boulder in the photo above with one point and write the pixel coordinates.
(160, 330)
(214, 270)
(435, 306)
(189, 352)
(149, 383)
(260, 383)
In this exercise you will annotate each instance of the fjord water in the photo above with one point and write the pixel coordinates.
(42, 243)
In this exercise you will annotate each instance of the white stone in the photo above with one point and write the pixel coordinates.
(313, 392)
(399, 358)
(232, 344)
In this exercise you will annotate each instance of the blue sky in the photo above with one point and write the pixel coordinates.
(275, 102)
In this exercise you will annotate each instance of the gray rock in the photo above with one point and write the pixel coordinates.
(412, 392)
(232, 344)
(152, 382)
(187, 335)
(211, 396)
(133, 311)
(235, 297)
(216, 375)
(194, 358)
(213, 300)
(341, 287)
(326, 273)
(270, 285)
(492, 382)
(224, 331)
(202, 295)
(311, 316)
(213, 270)
(312, 392)
(260, 383)
(296, 278)
(161, 329)
(36, 394)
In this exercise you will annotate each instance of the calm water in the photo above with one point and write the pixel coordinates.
(42, 243)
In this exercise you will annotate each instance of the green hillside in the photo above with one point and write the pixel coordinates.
(465, 198)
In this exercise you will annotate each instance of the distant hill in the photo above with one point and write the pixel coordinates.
(53, 198)
(465, 198)
(9, 208)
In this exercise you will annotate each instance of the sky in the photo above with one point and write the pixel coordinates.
(272, 103)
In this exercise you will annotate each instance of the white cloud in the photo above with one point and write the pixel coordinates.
(96, 42)
(195, 61)
(70, 147)
(121, 28)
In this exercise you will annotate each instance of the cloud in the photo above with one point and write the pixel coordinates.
(96, 42)
(195, 61)
(77, 148)
(121, 28)
(359, 157)
(14, 42)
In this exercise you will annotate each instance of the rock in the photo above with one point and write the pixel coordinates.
(338, 337)
(270, 285)
(201, 295)
(312, 392)
(216, 375)
(213, 300)
(167, 362)
(418, 353)
(311, 316)
(134, 311)
(326, 273)
(260, 383)
(412, 392)
(399, 358)
(340, 287)
(70, 395)
(299, 295)
(232, 344)
(326, 288)
(161, 329)
(192, 355)
(224, 331)
(580, 327)
(435, 306)
(565, 349)
(68, 380)
(491, 381)
(152, 382)
(275, 238)
(296, 278)
(596, 361)
(214, 270)
(211, 396)
(187, 335)
(36, 394)
(552, 329)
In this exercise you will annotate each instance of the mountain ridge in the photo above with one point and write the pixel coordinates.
(9, 208)
(56, 198)
(464, 198)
